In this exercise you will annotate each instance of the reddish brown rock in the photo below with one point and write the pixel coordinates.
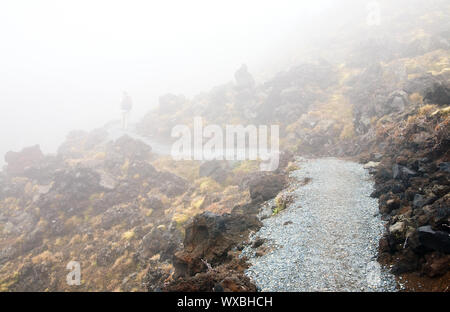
(436, 264)
(266, 186)
(19, 162)
(208, 239)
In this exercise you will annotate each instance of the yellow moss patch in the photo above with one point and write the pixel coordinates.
(427, 109)
(180, 218)
(246, 166)
(59, 242)
(231, 190)
(292, 167)
(280, 204)
(7, 283)
(184, 168)
(128, 235)
(161, 227)
(444, 111)
(120, 260)
(125, 166)
(29, 188)
(42, 223)
(198, 202)
(348, 132)
(73, 222)
(76, 239)
(208, 185)
(416, 98)
(45, 256)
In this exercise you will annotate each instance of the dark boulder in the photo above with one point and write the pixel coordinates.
(421, 84)
(425, 238)
(121, 214)
(154, 279)
(142, 169)
(32, 240)
(215, 169)
(402, 173)
(78, 183)
(445, 167)
(266, 186)
(420, 201)
(7, 253)
(209, 237)
(106, 256)
(436, 264)
(155, 203)
(258, 242)
(441, 216)
(406, 262)
(171, 184)
(33, 277)
(226, 278)
(393, 204)
(20, 162)
(383, 174)
(131, 148)
(438, 94)
(243, 78)
(160, 240)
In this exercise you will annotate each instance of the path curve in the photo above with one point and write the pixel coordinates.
(327, 239)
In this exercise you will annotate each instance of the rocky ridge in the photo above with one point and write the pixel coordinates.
(138, 221)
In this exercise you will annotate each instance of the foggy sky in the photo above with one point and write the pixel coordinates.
(64, 64)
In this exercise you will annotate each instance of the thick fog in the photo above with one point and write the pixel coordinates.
(64, 64)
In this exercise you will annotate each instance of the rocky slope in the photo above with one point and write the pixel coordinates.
(412, 184)
(120, 211)
(137, 220)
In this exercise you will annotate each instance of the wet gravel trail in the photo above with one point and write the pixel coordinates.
(327, 239)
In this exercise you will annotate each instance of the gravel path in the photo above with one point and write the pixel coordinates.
(331, 244)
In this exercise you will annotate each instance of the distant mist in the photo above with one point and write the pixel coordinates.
(65, 64)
